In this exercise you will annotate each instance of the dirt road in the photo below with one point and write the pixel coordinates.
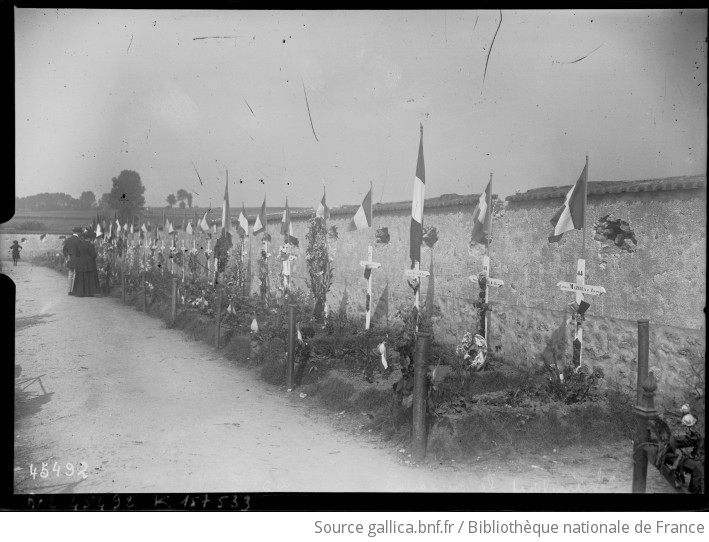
(137, 408)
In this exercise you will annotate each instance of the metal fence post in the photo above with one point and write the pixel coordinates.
(644, 409)
(419, 436)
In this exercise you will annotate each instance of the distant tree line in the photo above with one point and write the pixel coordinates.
(183, 196)
(125, 198)
(57, 201)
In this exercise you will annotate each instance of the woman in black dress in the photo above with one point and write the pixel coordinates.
(86, 281)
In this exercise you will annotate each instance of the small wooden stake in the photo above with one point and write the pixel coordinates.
(145, 300)
(173, 312)
(290, 368)
(219, 318)
(123, 286)
(418, 451)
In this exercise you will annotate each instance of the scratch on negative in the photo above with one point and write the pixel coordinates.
(216, 38)
(247, 105)
(490, 50)
(580, 58)
(309, 115)
(197, 172)
(131, 43)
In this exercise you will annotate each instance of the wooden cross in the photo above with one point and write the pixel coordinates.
(369, 264)
(495, 283)
(416, 274)
(286, 265)
(580, 288)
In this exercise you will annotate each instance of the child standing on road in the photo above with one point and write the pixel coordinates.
(15, 249)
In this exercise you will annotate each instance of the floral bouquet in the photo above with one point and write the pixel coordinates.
(473, 349)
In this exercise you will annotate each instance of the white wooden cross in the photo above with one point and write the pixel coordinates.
(580, 288)
(369, 264)
(495, 283)
(416, 273)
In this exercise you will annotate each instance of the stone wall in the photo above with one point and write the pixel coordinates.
(529, 336)
(662, 277)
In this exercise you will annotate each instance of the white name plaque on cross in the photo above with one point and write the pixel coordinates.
(591, 290)
(495, 283)
(416, 273)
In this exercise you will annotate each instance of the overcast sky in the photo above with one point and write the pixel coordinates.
(100, 91)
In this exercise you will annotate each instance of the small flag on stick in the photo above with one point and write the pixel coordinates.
(363, 217)
(417, 207)
(226, 218)
(287, 227)
(204, 224)
(570, 216)
(243, 223)
(323, 211)
(481, 216)
(260, 224)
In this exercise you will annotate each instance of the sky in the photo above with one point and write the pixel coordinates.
(168, 92)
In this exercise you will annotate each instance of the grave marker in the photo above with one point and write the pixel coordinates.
(495, 283)
(368, 266)
(580, 307)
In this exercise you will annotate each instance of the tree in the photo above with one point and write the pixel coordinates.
(182, 205)
(171, 200)
(103, 202)
(189, 201)
(87, 199)
(126, 196)
(183, 195)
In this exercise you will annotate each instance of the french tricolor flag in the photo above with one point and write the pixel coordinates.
(260, 224)
(481, 216)
(226, 217)
(287, 227)
(417, 207)
(363, 216)
(243, 222)
(571, 215)
(322, 210)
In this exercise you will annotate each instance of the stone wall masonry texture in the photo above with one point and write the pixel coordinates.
(664, 280)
